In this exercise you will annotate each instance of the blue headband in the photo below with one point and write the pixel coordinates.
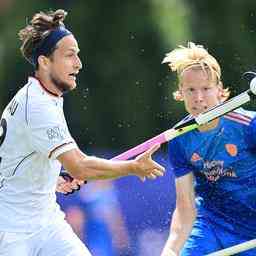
(49, 43)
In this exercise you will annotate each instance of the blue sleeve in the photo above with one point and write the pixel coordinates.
(177, 158)
(251, 134)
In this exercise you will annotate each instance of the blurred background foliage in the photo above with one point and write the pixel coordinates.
(124, 93)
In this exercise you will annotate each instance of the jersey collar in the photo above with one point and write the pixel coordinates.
(44, 87)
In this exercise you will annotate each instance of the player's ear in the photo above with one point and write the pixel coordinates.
(43, 62)
(220, 91)
(178, 95)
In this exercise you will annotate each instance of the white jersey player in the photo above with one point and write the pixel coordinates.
(35, 142)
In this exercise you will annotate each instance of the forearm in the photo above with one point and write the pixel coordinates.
(83, 167)
(97, 168)
(181, 225)
(89, 168)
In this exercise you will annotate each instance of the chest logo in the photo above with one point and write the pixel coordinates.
(231, 149)
(195, 157)
(213, 170)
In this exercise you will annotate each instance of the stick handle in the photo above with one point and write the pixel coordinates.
(159, 139)
(235, 249)
(203, 118)
(223, 108)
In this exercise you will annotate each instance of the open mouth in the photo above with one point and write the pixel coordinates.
(200, 109)
(73, 76)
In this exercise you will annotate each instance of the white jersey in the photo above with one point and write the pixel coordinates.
(35, 133)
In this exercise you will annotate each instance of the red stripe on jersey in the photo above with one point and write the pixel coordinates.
(236, 120)
(240, 118)
(64, 144)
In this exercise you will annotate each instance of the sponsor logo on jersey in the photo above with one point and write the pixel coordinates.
(213, 170)
(56, 133)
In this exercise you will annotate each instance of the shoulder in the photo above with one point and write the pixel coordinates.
(36, 94)
(241, 116)
(39, 105)
(17, 104)
(245, 113)
(31, 93)
(185, 138)
(37, 98)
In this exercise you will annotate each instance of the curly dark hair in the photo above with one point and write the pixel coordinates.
(38, 29)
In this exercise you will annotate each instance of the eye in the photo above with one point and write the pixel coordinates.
(207, 88)
(190, 89)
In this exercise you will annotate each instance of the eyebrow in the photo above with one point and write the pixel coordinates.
(75, 50)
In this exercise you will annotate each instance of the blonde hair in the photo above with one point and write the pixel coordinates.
(194, 56)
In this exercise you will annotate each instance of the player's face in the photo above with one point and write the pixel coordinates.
(65, 64)
(199, 92)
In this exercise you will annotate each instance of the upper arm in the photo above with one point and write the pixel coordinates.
(177, 157)
(185, 195)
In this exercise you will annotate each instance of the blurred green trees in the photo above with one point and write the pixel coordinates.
(124, 93)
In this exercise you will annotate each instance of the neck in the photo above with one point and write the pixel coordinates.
(211, 125)
(48, 85)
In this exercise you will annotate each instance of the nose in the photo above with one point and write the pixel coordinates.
(198, 96)
(78, 63)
